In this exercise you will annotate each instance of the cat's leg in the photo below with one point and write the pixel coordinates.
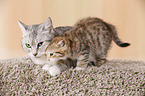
(46, 66)
(100, 60)
(82, 60)
(54, 70)
(58, 68)
(92, 59)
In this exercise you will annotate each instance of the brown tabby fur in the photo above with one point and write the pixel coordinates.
(88, 41)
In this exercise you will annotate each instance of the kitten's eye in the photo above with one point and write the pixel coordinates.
(51, 54)
(28, 46)
(58, 52)
(40, 43)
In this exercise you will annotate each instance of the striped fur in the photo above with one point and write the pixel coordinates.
(88, 41)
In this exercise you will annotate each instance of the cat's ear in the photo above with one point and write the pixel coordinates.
(61, 43)
(48, 23)
(23, 26)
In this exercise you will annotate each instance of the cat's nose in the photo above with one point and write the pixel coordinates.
(35, 54)
(48, 59)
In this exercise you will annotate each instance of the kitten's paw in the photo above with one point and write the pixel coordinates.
(80, 68)
(54, 70)
(46, 67)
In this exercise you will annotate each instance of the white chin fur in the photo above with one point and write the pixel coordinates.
(39, 60)
(54, 60)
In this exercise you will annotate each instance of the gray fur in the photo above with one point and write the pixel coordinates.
(34, 35)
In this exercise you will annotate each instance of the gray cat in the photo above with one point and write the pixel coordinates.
(36, 38)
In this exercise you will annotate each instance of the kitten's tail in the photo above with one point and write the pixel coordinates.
(116, 38)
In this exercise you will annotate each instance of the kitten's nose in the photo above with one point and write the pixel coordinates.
(35, 54)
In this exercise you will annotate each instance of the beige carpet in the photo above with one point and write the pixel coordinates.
(20, 77)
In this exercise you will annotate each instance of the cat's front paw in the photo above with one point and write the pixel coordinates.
(54, 70)
(46, 67)
(80, 68)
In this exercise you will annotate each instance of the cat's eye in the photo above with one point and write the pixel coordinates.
(58, 52)
(28, 46)
(40, 43)
(51, 54)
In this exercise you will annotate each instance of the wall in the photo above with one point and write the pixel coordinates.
(127, 15)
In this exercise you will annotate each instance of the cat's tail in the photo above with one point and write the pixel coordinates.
(116, 38)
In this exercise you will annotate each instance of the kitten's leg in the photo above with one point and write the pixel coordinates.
(83, 60)
(46, 66)
(54, 70)
(58, 68)
(92, 59)
(100, 60)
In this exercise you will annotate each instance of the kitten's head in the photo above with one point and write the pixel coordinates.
(36, 38)
(58, 49)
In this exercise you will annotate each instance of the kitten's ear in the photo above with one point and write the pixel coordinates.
(48, 23)
(61, 43)
(22, 26)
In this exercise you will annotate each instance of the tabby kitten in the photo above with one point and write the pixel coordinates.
(36, 38)
(88, 41)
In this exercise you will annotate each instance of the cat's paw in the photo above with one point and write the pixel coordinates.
(80, 68)
(46, 67)
(54, 70)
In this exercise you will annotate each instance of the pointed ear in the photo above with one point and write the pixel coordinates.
(22, 26)
(48, 23)
(61, 43)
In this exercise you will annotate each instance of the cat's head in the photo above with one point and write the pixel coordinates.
(36, 38)
(58, 49)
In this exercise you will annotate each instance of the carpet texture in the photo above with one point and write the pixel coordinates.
(20, 77)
